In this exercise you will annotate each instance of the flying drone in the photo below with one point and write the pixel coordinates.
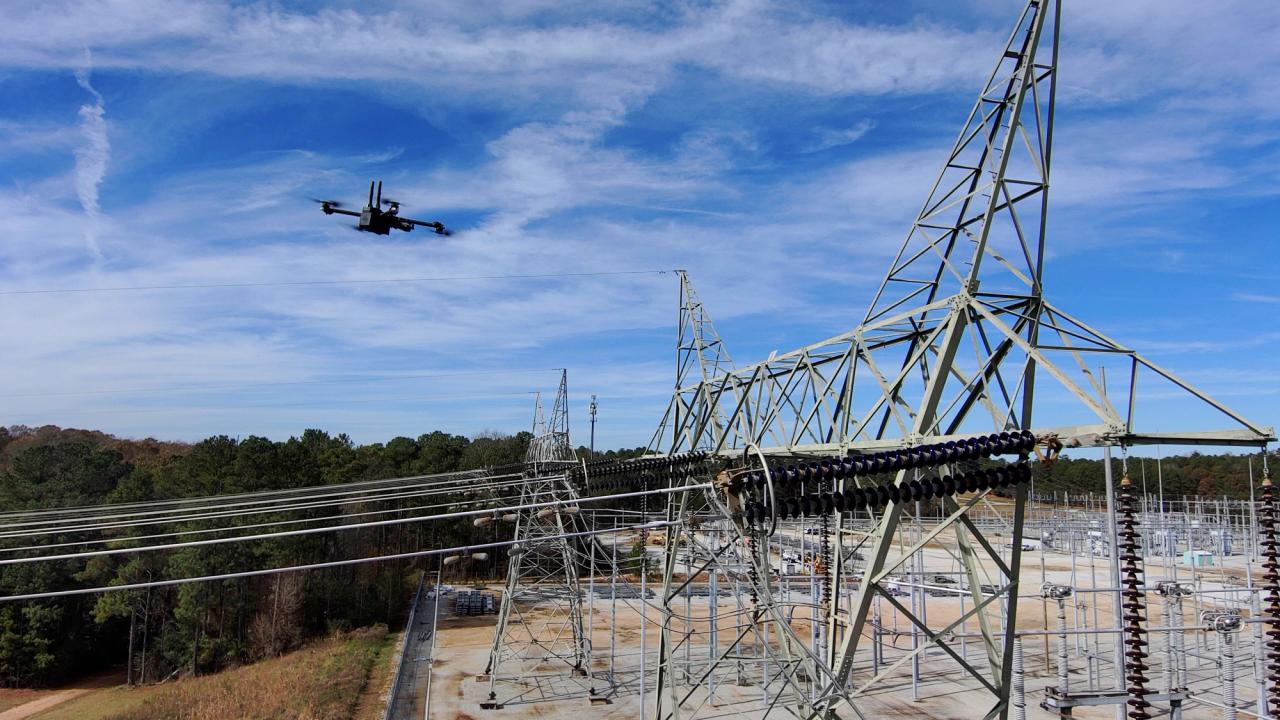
(375, 219)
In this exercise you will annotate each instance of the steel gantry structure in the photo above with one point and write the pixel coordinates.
(956, 339)
(543, 565)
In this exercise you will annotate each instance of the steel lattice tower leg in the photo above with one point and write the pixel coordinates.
(543, 566)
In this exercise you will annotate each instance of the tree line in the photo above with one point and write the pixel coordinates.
(202, 627)
(1196, 474)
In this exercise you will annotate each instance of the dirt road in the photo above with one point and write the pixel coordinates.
(57, 697)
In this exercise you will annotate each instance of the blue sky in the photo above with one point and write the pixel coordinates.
(778, 151)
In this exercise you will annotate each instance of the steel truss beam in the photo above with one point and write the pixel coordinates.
(953, 344)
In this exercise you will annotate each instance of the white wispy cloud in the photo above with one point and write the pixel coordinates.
(444, 47)
(92, 156)
(828, 138)
(770, 248)
(1257, 298)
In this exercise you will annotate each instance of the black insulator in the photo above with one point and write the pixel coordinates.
(1134, 604)
(793, 508)
(828, 503)
(1003, 478)
(893, 461)
(917, 490)
(900, 460)
(863, 499)
(815, 503)
(1024, 473)
(871, 497)
(837, 499)
(1028, 440)
(937, 487)
(806, 509)
(983, 443)
(914, 457)
(856, 499)
(883, 495)
(949, 485)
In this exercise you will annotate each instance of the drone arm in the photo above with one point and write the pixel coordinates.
(434, 225)
(335, 211)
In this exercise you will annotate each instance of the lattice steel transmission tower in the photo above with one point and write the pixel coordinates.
(746, 640)
(956, 342)
(543, 568)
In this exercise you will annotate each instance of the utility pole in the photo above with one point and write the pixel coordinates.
(593, 426)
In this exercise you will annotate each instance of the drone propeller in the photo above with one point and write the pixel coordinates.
(389, 201)
(330, 203)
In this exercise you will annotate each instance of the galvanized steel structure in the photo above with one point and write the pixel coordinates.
(958, 340)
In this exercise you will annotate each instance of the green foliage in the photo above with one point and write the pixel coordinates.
(207, 626)
(1197, 474)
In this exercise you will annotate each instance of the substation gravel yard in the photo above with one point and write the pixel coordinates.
(944, 689)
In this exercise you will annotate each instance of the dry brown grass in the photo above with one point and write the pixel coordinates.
(373, 700)
(321, 682)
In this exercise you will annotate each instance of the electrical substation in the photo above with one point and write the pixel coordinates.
(852, 529)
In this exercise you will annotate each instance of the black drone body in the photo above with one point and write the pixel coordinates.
(375, 219)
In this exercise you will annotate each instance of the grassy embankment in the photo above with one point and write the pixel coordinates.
(341, 678)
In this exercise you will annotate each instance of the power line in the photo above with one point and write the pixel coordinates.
(217, 500)
(228, 528)
(92, 524)
(322, 565)
(302, 283)
(350, 526)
